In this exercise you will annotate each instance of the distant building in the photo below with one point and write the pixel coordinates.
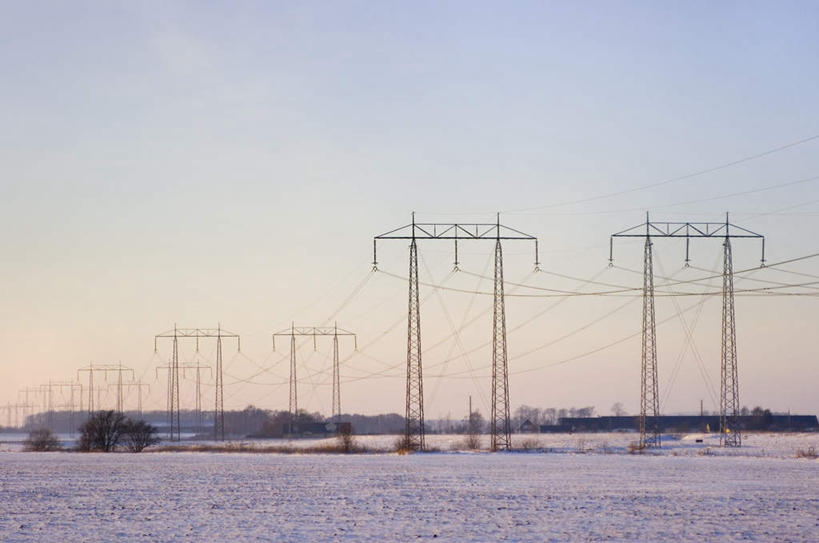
(685, 423)
(528, 427)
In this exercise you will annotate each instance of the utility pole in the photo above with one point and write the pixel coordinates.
(729, 389)
(315, 332)
(500, 418)
(173, 376)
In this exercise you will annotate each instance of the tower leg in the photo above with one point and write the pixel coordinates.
(729, 383)
(500, 417)
(336, 382)
(649, 394)
(219, 410)
(293, 406)
(414, 430)
(176, 430)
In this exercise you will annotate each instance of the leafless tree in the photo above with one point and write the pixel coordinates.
(618, 411)
(138, 434)
(102, 431)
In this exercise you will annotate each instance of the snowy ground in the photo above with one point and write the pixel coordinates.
(386, 497)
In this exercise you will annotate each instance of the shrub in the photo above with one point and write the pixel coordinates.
(529, 444)
(41, 440)
(472, 441)
(346, 440)
(809, 453)
(403, 445)
(138, 434)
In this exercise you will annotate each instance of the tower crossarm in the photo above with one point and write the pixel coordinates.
(687, 230)
(315, 332)
(454, 232)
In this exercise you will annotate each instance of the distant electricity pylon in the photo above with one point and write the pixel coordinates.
(27, 404)
(500, 419)
(200, 420)
(139, 386)
(174, 428)
(60, 386)
(105, 369)
(729, 387)
(315, 331)
(120, 384)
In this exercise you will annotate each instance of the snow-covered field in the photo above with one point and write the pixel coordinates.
(685, 495)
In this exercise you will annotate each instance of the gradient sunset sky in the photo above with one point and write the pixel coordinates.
(230, 162)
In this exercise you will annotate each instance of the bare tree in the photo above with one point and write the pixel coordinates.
(474, 428)
(138, 434)
(618, 411)
(102, 431)
(585, 411)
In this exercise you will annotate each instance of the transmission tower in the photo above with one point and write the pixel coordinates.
(18, 408)
(28, 404)
(315, 332)
(120, 384)
(200, 421)
(500, 418)
(174, 428)
(138, 385)
(60, 386)
(105, 369)
(729, 389)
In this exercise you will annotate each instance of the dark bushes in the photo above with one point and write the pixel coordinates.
(104, 430)
(41, 440)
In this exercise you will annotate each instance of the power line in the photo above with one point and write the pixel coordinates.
(672, 179)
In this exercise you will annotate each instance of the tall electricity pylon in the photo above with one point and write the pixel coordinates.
(173, 376)
(500, 419)
(315, 332)
(729, 389)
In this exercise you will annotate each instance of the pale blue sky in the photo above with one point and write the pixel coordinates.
(172, 162)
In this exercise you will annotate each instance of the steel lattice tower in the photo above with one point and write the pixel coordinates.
(174, 423)
(729, 384)
(336, 417)
(649, 394)
(219, 408)
(500, 418)
(293, 404)
(173, 375)
(314, 331)
(729, 389)
(414, 429)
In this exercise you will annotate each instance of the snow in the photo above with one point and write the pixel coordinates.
(600, 495)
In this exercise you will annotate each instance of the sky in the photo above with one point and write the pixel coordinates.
(193, 164)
